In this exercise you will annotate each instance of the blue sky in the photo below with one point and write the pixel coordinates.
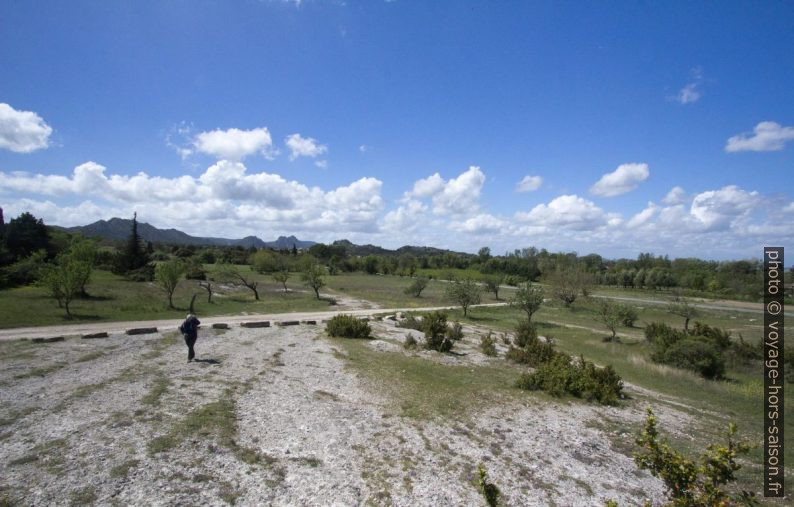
(408, 122)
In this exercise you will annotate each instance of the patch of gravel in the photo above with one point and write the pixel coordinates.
(304, 429)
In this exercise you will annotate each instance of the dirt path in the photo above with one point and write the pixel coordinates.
(172, 324)
(274, 417)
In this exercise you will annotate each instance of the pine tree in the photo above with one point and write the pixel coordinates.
(134, 256)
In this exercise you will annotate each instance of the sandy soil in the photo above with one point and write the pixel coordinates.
(299, 429)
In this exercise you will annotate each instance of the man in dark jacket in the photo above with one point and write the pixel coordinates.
(189, 329)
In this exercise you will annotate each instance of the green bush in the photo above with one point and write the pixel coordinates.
(627, 315)
(487, 345)
(347, 326)
(410, 322)
(410, 342)
(417, 286)
(455, 331)
(697, 355)
(525, 334)
(719, 337)
(579, 378)
(489, 490)
(434, 325)
(689, 483)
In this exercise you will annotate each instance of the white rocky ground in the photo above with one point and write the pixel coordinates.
(285, 423)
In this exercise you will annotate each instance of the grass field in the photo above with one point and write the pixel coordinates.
(112, 298)
(388, 290)
(713, 403)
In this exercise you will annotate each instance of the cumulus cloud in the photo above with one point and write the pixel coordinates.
(22, 131)
(460, 195)
(429, 186)
(529, 184)
(304, 147)
(766, 136)
(623, 179)
(717, 209)
(235, 144)
(406, 218)
(676, 195)
(483, 223)
(224, 194)
(643, 216)
(568, 211)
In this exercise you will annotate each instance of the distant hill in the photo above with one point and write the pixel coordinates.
(363, 250)
(119, 229)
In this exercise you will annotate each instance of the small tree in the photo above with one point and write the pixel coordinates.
(493, 284)
(64, 279)
(281, 277)
(528, 298)
(465, 293)
(609, 314)
(681, 306)
(232, 273)
(84, 252)
(312, 276)
(417, 286)
(167, 275)
(207, 286)
(565, 286)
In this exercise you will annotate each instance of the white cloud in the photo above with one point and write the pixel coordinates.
(223, 199)
(643, 216)
(429, 186)
(691, 92)
(460, 195)
(766, 136)
(22, 131)
(235, 144)
(304, 147)
(623, 179)
(717, 209)
(481, 224)
(676, 195)
(322, 164)
(406, 218)
(789, 208)
(569, 211)
(363, 148)
(529, 184)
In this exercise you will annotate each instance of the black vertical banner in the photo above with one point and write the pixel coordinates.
(774, 467)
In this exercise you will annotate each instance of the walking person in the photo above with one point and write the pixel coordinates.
(189, 328)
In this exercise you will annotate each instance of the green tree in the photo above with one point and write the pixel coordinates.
(27, 234)
(64, 278)
(281, 277)
(234, 274)
(465, 293)
(679, 305)
(417, 286)
(84, 251)
(609, 314)
(167, 275)
(493, 283)
(312, 276)
(528, 298)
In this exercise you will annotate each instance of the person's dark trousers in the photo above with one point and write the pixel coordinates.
(190, 341)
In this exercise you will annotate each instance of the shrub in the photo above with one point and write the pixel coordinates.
(719, 337)
(627, 315)
(487, 345)
(579, 378)
(347, 326)
(525, 333)
(687, 482)
(410, 322)
(455, 331)
(696, 355)
(512, 280)
(488, 489)
(23, 272)
(142, 274)
(410, 342)
(417, 286)
(434, 325)
(662, 336)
